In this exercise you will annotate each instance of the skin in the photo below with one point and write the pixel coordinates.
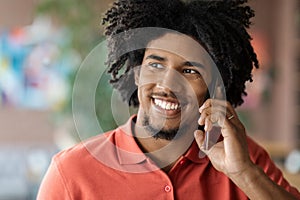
(166, 69)
(176, 74)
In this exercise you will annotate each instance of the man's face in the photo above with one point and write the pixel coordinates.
(172, 84)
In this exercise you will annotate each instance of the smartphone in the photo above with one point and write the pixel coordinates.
(212, 136)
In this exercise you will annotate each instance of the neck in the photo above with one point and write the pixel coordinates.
(152, 147)
(163, 152)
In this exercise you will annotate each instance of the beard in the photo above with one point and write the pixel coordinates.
(158, 133)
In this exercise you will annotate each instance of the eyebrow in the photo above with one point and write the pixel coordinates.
(196, 64)
(155, 57)
(188, 63)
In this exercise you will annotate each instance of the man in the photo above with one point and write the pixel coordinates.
(186, 74)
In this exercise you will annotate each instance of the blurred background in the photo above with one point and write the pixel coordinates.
(43, 43)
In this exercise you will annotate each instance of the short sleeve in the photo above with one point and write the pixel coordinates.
(261, 158)
(53, 185)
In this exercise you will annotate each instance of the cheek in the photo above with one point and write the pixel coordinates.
(201, 95)
(200, 91)
(143, 95)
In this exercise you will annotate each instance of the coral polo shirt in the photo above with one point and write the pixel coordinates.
(112, 166)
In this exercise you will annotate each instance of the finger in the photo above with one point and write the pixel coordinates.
(213, 102)
(228, 112)
(202, 118)
(199, 137)
(210, 112)
(215, 119)
(216, 103)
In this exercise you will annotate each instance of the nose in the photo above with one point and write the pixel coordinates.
(173, 80)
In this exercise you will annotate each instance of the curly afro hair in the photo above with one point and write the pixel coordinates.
(219, 26)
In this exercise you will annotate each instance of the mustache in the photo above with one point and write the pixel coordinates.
(167, 95)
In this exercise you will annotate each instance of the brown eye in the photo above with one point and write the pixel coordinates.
(190, 71)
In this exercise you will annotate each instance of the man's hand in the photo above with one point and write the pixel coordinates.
(229, 156)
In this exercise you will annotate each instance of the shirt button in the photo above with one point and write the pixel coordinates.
(168, 188)
(182, 162)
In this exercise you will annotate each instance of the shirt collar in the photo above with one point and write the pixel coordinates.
(195, 155)
(129, 152)
(127, 149)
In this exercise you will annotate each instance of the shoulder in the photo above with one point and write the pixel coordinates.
(85, 151)
(94, 147)
(75, 171)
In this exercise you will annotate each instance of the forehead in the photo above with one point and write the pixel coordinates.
(183, 46)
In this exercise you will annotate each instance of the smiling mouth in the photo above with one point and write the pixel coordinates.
(166, 105)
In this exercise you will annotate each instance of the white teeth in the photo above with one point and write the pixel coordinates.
(163, 105)
(173, 106)
(166, 105)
